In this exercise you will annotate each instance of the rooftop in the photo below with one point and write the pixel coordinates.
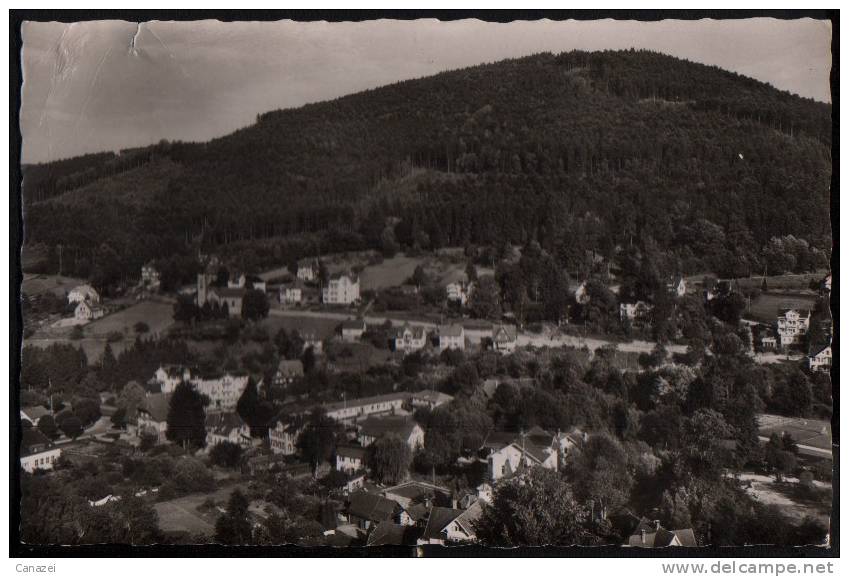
(378, 427)
(438, 519)
(156, 405)
(402, 396)
(372, 507)
(33, 441)
(451, 330)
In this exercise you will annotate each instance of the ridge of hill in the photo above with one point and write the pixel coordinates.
(577, 151)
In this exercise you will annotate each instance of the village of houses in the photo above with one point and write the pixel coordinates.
(419, 508)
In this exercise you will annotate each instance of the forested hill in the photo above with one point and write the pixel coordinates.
(577, 150)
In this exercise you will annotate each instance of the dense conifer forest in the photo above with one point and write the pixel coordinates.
(578, 151)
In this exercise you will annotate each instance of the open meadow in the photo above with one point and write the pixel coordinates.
(766, 306)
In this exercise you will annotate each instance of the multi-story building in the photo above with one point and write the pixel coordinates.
(341, 289)
(37, 452)
(291, 294)
(227, 428)
(308, 269)
(351, 458)
(792, 325)
(169, 376)
(230, 297)
(223, 390)
(152, 416)
(452, 337)
(283, 435)
(350, 410)
(458, 292)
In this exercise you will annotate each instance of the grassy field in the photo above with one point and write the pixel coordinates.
(182, 514)
(157, 315)
(811, 432)
(784, 282)
(446, 267)
(36, 284)
(765, 307)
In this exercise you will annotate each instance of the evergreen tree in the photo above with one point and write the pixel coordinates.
(186, 417)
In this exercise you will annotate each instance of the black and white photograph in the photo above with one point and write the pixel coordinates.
(393, 284)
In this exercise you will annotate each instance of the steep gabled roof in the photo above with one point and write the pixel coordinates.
(354, 325)
(352, 452)
(469, 516)
(378, 427)
(372, 507)
(438, 520)
(403, 396)
(293, 368)
(156, 405)
(223, 423)
(452, 330)
(416, 330)
(386, 533)
(33, 441)
(504, 334)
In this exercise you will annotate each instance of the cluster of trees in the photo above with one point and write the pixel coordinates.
(477, 156)
(255, 306)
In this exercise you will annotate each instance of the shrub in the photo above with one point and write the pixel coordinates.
(191, 475)
(71, 426)
(141, 327)
(114, 336)
(226, 454)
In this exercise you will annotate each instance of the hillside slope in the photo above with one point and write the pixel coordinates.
(578, 150)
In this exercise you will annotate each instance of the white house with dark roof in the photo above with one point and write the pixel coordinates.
(291, 294)
(283, 434)
(353, 329)
(504, 338)
(169, 376)
(510, 452)
(83, 293)
(792, 325)
(342, 289)
(374, 428)
(458, 292)
(308, 269)
(429, 399)
(451, 337)
(820, 359)
(227, 427)
(678, 286)
(232, 298)
(37, 451)
(88, 311)
(651, 535)
(409, 338)
(351, 458)
(288, 371)
(223, 390)
(152, 416)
